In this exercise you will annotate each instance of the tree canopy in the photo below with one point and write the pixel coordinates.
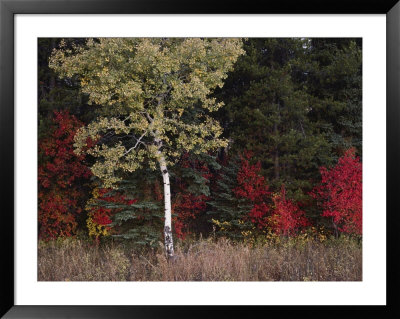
(155, 97)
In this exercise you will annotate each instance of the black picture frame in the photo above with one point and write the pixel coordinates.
(8, 8)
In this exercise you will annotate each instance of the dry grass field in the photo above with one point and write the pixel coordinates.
(203, 260)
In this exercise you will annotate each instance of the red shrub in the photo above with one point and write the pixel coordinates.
(287, 217)
(185, 205)
(252, 186)
(340, 193)
(60, 176)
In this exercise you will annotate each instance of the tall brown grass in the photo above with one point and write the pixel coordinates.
(203, 260)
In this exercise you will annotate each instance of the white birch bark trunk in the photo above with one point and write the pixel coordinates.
(168, 242)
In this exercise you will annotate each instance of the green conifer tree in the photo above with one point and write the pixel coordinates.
(267, 112)
(228, 212)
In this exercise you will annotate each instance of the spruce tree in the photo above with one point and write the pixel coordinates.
(228, 213)
(334, 80)
(267, 112)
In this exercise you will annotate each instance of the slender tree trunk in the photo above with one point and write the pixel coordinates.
(276, 155)
(276, 164)
(52, 83)
(276, 133)
(168, 242)
(335, 227)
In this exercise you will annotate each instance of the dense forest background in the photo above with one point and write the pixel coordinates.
(293, 117)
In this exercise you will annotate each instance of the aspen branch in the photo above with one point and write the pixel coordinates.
(138, 141)
(127, 118)
(148, 116)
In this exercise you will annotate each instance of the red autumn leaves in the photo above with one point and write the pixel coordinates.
(185, 205)
(60, 178)
(340, 193)
(273, 211)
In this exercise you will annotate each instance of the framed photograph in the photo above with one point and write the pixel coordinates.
(174, 159)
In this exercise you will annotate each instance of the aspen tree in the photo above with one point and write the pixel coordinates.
(155, 102)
